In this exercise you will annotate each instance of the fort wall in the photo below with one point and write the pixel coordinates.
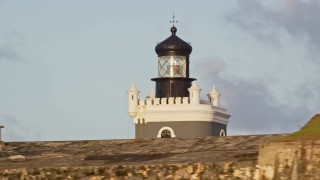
(174, 171)
(229, 157)
(229, 170)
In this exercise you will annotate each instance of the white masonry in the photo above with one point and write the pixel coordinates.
(190, 108)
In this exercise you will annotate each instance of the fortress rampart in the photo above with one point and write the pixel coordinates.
(229, 157)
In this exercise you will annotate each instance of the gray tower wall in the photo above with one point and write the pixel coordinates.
(183, 129)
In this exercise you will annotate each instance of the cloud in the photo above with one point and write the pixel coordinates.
(293, 26)
(10, 54)
(254, 110)
(297, 18)
(7, 50)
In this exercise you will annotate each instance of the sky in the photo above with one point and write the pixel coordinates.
(65, 66)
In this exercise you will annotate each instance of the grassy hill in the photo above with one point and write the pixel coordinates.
(311, 131)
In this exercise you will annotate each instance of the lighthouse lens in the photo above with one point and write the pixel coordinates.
(172, 66)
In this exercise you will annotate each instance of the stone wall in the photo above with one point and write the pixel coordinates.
(1, 145)
(228, 171)
(178, 171)
(293, 160)
(194, 158)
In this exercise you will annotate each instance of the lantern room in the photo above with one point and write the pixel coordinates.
(173, 67)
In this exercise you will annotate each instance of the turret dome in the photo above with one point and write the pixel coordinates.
(173, 45)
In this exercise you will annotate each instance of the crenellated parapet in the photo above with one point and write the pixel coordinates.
(163, 101)
(194, 98)
(192, 108)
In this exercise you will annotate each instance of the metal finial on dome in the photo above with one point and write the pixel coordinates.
(173, 21)
(173, 29)
(173, 45)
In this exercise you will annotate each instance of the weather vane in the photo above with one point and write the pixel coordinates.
(173, 21)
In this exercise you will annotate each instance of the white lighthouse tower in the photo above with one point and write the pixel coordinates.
(175, 108)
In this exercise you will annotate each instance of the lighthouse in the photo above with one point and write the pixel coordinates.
(175, 108)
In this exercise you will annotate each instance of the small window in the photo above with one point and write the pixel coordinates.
(132, 97)
(222, 132)
(166, 134)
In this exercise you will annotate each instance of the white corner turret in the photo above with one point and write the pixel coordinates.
(194, 93)
(214, 96)
(133, 93)
(152, 94)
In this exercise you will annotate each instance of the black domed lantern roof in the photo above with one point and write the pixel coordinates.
(173, 45)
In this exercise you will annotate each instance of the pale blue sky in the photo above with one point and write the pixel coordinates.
(65, 66)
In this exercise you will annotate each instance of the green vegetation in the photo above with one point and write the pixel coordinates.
(311, 131)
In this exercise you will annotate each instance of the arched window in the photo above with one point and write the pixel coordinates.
(222, 132)
(166, 132)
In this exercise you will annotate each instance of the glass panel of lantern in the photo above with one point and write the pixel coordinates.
(172, 66)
